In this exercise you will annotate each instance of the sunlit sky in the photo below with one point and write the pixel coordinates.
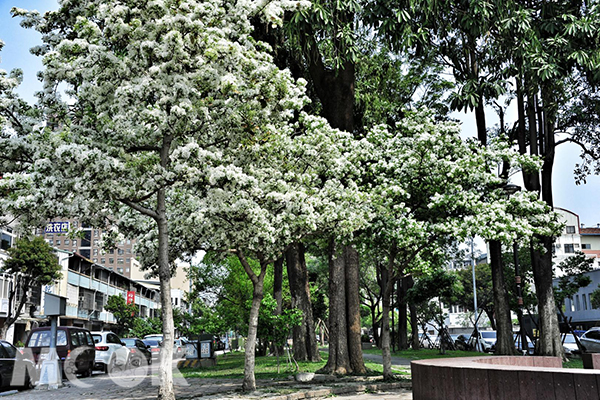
(583, 200)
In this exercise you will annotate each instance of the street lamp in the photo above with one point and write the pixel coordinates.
(511, 189)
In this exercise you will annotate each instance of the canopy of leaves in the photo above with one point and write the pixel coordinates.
(35, 260)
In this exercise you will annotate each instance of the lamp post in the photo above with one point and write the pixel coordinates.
(511, 189)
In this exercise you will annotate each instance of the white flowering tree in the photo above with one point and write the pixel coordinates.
(431, 188)
(173, 119)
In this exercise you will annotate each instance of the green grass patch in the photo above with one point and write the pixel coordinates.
(573, 363)
(423, 354)
(231, 366)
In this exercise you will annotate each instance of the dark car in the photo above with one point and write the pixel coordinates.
(155, 347)
(138, 351)
(15, 369)
(75, 348)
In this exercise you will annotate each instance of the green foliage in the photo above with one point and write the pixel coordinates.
(125, 314)
(276, 328)
(145, 326)
(573, 279)
(34, 259)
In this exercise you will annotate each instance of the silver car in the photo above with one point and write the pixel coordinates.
(591, 340)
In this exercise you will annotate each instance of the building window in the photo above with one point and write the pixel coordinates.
(95, 252)
(95, 233)
(583, 298)
(127, 260)
(577, 305)
(85, 253)
(67, 241)
(111, 260)
(51, 242)
(96, 243)
(570, 229)
(569, 248)
(111, 251)
(103, 261)
(7, 240)
(120, 252)
(58, 242)
(128, 241)
(586, 246)
(128, 250)
(74, 243)
(119, 261)
(120, 270)
(126, 269)
(95, 260)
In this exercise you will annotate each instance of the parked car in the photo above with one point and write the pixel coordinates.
(138, 351)
(218, 343)
(110, 351)
(155, 336)
(179, 348)
(15, 370)
(74, 346)
(487, 340)
(591, 340)
(569, 344)
(517, 340)
(155, 347)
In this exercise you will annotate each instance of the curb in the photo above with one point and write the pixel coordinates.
(374, 387)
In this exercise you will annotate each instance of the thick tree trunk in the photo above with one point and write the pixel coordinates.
(165, 390)
(339, 360)
(504, 342)
(353, 310)
(305, 340)
(549, 343)
(402, 314)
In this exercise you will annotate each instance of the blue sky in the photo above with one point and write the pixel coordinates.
(583, 200)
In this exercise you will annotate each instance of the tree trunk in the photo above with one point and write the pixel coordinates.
(504, 342)
(549, 343)
(278, 296)
(353, 310)
(414, 321)
(278, 285)
(339, 360)
(305, 340)
(492, 318)
(375, 325)
(402, 314)
(387, 288)
(166, 390)
(249, 382)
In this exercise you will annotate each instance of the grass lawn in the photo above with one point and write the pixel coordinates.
(573, 363)
(231, 366)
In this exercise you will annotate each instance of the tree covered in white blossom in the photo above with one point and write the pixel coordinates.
(173, 111)
(428, 188)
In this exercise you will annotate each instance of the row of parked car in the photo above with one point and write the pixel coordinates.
(80, 352)
(487, 340)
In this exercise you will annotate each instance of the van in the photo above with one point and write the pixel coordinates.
(75, 348)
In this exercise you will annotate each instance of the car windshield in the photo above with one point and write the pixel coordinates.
(153, 343)
(97, 338)
(42, 339)
(129, 342)
(569, 338)
(488, 335)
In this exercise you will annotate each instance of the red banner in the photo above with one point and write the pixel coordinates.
(131, 297)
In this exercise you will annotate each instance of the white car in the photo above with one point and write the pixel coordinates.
(487, 341)
(569, 344)
(110, 351)
(591, 340)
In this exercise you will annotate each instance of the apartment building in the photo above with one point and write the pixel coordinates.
(87, 286)
(88, 244)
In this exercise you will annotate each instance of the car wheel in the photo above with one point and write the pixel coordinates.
(150, 361)
(111, 365)
(88, 371)
(135, 362)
